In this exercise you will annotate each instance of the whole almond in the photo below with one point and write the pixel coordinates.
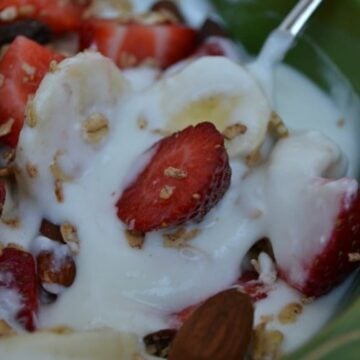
(220, 329)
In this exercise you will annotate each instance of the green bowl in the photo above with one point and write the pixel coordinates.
(331, 41)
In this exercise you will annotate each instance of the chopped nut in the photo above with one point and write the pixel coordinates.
(180, 237)
(166, 192)
(150, 62)
(234, 130)
(6, 127)
(7, 171)
(30, 113)
(8, 156)
(95, 128)
(354, 257)
(254, 158)
(5, 329)
(175, 173)
(156, 18)
(32, 170)
(142, 123)
(307, 300)
(135, 239)
(59, 191)
(290, 313)
(13, 223)
(9, 13)
(266, 343)
(61, 330)
(127, 60)
(26, 10)
(277, 126)
(57, 171)
(2, 80)
(168, 7)
(70, 237)
(28, 69)
(53, 66)
(120, 7)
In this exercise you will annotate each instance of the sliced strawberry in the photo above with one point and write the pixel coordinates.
(316, 222)
(17, 272)
(59, 15)
(130, 45)
(329, 265)
(187, 175)
(21, 70)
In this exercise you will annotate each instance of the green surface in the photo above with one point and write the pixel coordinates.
(335, 28)
(333, 33)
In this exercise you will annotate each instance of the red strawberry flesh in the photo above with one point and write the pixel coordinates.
(22, 68)
(199, 153)
(130, 45)
(332, 264)
(17, 272)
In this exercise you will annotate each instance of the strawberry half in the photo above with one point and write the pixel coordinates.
(22, 68)
(130, 45)
(316, 221)
(187, 175)
(331, 263)
(17, 272)
(59, 15)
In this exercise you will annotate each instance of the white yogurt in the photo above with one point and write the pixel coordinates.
(136, 290)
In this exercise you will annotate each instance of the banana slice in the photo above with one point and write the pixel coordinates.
(92, 345)
(218, 90)
(73, 115)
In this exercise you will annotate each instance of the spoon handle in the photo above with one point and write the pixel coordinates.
(296, 19)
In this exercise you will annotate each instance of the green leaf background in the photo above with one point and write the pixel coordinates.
(335, 28)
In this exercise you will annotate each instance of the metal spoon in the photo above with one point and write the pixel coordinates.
(280, 41)
(298, 16)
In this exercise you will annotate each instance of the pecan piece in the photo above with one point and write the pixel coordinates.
(55, 269)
